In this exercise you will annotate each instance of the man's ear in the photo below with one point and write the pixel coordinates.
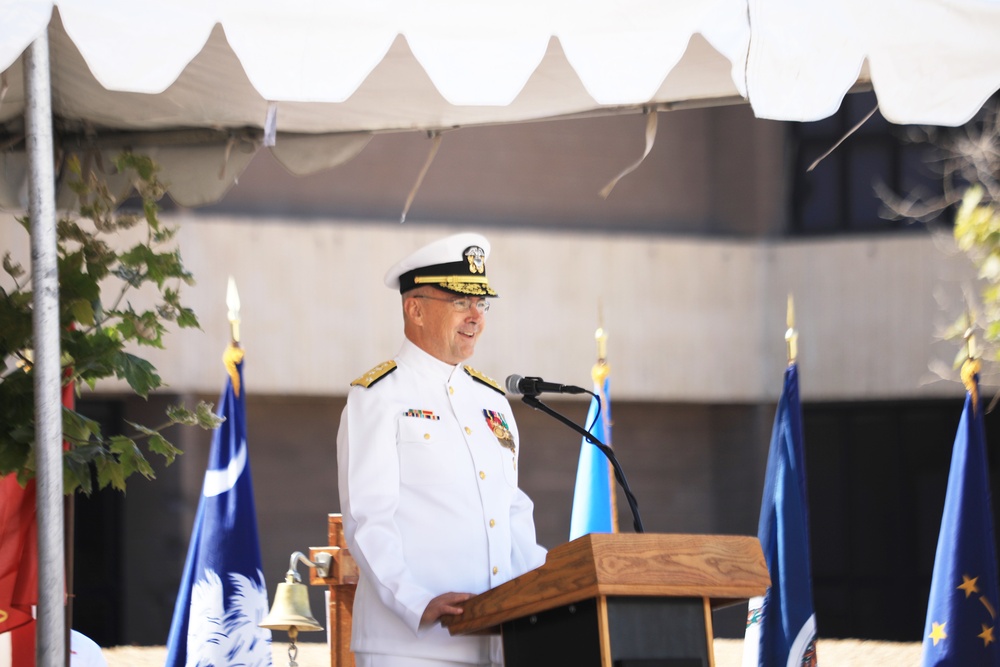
(414, 309)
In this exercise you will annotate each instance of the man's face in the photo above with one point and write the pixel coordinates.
(434, 325)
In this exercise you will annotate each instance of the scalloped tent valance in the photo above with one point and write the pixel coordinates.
(336, 68)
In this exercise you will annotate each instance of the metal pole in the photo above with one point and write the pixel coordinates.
(50, 631)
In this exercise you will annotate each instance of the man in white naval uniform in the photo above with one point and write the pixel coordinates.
(427, 455)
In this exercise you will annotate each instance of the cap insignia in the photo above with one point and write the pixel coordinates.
(484, 379)
(477, 259)
(375, 374)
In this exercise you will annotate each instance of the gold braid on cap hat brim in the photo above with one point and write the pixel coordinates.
(475, 285)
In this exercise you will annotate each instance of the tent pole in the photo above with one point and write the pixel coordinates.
(50, 631)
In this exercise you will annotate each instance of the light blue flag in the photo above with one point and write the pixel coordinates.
(961, 626)
(593, 502)
(223, 595)
(781, 626)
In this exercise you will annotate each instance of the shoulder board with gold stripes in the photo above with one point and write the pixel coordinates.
(375, 374)
(485, 379)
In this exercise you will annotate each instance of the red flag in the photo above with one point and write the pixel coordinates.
(19, 560)
(18, 568)
(18, 553)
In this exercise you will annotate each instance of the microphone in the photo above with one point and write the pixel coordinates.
(533, 386)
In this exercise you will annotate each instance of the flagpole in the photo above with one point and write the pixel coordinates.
(964, 578)
(52, 648)
(791, 335)
(223, 574)
(234, 353)
(781, 624)
(599, 374)
(971, 365)
(233, 304)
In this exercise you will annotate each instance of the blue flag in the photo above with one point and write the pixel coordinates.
(781, 626)
(223, 595)
(593, 497)
(961, 626)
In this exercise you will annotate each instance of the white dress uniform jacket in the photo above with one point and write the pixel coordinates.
(430, 502)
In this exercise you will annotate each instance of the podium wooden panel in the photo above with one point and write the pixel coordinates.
(341, 585)
(619, 600)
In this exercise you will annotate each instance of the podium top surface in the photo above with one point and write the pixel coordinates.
(721, 568)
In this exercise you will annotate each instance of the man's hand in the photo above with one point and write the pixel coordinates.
(442, 605)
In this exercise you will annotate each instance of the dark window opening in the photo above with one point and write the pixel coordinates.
(877, 477)
(839, 194)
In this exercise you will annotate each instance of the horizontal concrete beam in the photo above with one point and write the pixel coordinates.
(689, 319)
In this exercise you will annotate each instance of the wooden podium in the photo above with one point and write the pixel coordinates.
(619, 600)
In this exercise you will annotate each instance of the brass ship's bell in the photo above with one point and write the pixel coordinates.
(291, 609)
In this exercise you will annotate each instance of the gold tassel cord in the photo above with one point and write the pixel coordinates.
(231, 357)
(650, 140)
(843, 139)
(230, 143)
(599, 372)
(971, 366)
(420, 177)
(970, 369)
(791, 335)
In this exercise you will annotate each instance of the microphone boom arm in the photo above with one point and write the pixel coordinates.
(607, 451)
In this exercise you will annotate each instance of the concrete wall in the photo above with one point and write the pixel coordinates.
(716, 171)
(689, 320)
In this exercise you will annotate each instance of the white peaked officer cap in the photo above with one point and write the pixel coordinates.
(455, 264)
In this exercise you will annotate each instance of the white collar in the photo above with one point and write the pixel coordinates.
(425, 363)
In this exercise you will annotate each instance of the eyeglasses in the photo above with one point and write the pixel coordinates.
(460, 305)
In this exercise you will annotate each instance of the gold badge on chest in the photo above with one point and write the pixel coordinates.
(498, 426)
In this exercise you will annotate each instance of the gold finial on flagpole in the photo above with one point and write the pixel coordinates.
(233, 303)
(599, 374)
(600, 370)
(970, 368)
(969, 337)
(791, 335)
(234, 353)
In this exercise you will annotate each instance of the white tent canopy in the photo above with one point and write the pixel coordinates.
(348, 69)
(400, 65)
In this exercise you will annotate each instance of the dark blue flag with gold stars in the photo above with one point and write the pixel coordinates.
(781, 625)
(961, 627)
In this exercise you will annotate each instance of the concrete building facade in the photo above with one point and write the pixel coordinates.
(688, 265)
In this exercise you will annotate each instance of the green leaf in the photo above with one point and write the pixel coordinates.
(130, 457)
(139, 373)
(13, 455)
(160, 445)
(178, 414)
(78, 428)
(83, 312)
(187, 319)
(145, 430)
(207, 419)
(15, 323)
(74, 283)
(109, 473)
(13, 269)
(89, 268)
(76, 474)
(144, 328)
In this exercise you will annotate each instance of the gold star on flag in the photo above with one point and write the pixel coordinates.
(986, 635)
(937, 632)
(969, 585)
